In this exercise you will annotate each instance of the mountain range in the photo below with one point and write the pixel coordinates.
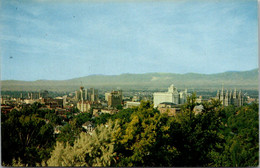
(147, 81)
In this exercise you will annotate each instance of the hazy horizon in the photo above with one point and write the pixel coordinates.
(61, 40)
(129, 74)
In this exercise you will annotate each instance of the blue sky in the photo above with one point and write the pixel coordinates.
(64, 39)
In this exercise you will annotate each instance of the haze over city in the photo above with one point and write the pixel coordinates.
(64, 39)
(135, 83)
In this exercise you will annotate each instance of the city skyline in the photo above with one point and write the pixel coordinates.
(63, 40)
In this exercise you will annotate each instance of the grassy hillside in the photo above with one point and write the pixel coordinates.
(240, 80)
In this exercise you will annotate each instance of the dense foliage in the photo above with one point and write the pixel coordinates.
(241, 132)
(217, 136)
(96, 149)
(26, 137)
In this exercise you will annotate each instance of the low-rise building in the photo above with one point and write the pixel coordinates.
(88, 126)
(170, 108)
(136, 99)
(85, 106)
(52, 103)
(29, 101)
(130, 104)
(6, 109)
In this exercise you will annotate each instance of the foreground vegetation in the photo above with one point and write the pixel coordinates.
(218, 136)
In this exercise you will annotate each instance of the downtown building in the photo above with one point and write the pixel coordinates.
(90, 94)
(114, 98)
(172, 96)
(230, 98)
(87, 99)
(36, 95)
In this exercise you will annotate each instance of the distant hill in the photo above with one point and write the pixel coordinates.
(147, 81)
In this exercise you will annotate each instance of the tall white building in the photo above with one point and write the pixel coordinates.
(107, 95)
(172, 96)
(80, 94)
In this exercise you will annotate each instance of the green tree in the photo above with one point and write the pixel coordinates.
(123, 116)
(195, 136)
(82, 118)
(75, 110)
(35, 106)
(119, 107)
(144, 142)
(69, 132)
(241, 132)
(88, 150)
(53, 118)
(102, 119)
(27, 137)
